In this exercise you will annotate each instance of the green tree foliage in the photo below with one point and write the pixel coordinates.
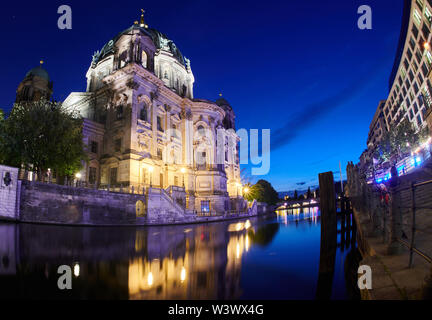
(41, 135)
(398, 142)
(262, 191)
(264, 235)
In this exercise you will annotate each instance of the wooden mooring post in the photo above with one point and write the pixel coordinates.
(328, 236)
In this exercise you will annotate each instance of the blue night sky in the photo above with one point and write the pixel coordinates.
(300, 68)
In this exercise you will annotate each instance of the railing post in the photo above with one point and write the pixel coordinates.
(413, 222)
(395, 215)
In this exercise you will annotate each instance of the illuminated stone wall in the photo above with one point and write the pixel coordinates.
(9, 187)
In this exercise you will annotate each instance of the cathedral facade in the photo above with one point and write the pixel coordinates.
(143, 128)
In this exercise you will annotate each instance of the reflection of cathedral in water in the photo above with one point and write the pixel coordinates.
(177, 262)
(203, 265)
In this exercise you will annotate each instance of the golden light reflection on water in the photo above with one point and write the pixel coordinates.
(291, 215)
(205, 256)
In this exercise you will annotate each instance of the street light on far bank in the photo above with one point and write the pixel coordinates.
(426, 45)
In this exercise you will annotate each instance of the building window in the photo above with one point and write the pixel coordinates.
(143, 114)
(113, 176)
(425, 30)
(419, 121)
(119, 112)
(420, 3)
(201, 161)
(412, 43)
(428, 58)
(144, 59)
(94, 147)
(424, 69)
(92, 175)
(161, 180)
(159, 124)
(428, 15)
(415, 31)
(117, 145)
(159, 153)
(417, 17)
(205, 206)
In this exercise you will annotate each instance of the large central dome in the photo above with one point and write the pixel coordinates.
(160, 40)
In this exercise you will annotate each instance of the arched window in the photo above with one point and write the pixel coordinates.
(144, 59)
(143, 114)
(201, 130)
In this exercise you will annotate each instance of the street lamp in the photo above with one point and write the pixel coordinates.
(78, 177)
(150, 173)
(183, 170)
(426, 45)
(246, 190)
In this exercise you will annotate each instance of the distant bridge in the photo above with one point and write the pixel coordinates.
(299, 203)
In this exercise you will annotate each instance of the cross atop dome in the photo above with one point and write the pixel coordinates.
(142, 23)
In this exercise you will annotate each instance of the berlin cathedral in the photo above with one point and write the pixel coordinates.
(142, 125)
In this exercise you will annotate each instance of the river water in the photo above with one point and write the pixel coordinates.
(273, 257)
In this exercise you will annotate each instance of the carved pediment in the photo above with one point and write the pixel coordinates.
(132, 84)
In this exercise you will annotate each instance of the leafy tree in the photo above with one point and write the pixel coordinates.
(398, 142)
(41, 135)
(263, 191)
(256, 192)
(264, 235)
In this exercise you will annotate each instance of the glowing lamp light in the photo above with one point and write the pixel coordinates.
(247, 224)
(182, 170)
(150, 279)
(246, 190)
(150, 169)
(426, 45)
(78, 175)
(76, 270)
(183, 274)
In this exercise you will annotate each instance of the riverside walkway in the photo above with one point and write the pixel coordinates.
(395, 233)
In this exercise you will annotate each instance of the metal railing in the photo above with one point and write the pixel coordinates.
(413, 211)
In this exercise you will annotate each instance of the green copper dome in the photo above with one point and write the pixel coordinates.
(39, 72)
(159, 39)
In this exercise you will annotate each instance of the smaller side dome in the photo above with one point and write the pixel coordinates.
(39, 72)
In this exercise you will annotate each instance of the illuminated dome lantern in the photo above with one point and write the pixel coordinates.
(150, 49)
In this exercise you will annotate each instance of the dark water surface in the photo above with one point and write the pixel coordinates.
(273, 257)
